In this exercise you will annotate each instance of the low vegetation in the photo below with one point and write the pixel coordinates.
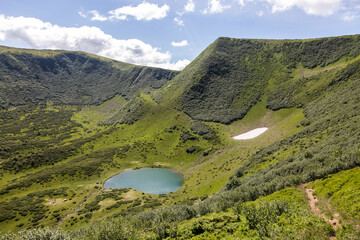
(72, 78)
(231, 75)
(55, 157)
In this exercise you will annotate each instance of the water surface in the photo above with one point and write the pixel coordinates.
(148, 180)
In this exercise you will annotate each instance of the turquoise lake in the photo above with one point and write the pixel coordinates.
(148, 180)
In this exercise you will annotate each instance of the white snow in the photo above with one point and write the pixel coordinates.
(251, 134)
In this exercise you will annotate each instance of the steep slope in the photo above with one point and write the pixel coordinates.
(231, 75)
(306, 92)
(64, 77)
(329, 142)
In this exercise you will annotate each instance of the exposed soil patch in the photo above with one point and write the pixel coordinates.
(313, 200)
(56, 202)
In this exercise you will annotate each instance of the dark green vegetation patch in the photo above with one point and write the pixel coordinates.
(231, 75)
(71, 78)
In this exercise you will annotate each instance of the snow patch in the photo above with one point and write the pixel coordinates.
(251, 134)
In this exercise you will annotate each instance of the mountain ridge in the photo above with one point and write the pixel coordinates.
(76, 78)
(206, 89)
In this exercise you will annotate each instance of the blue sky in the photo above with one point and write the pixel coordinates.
(166, 33)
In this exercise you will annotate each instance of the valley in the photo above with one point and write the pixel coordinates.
(59, 147)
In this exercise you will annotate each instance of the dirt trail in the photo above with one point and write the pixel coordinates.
(78, 208)
(313, 200)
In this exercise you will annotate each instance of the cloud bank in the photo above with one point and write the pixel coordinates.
(44, 35)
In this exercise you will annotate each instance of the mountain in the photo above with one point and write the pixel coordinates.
(57, 150)
(75, 78)
(231, 75)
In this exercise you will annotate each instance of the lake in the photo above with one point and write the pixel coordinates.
(148, 180)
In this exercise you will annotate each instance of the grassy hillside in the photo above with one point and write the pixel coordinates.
(341, 190)
(75, 78)
(231, 75)
(57, 156)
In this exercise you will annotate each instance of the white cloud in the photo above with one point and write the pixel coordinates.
(96, 16)
(190, 6)
(348, 16)
(117, 17)
(39, 34)
(183, 43)
(82, 14)
(281, 5)
(313, 7)
(144, 11)
(179, 21)
(260, 13)
(241, 3)
(215, 6)
(179, 65)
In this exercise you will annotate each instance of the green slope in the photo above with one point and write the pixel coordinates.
(231, 75)
(306, 92)
(76, 78)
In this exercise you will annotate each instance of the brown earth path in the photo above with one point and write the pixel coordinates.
(313, 200)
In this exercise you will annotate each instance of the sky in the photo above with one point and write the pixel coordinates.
(167, 33)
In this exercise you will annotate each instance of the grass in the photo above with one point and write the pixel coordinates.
(154, 140)
(343, 192)
(312, 134)
(148, 135)
(211, 173)
(91, 116)
(233, 224)
(53, 53)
